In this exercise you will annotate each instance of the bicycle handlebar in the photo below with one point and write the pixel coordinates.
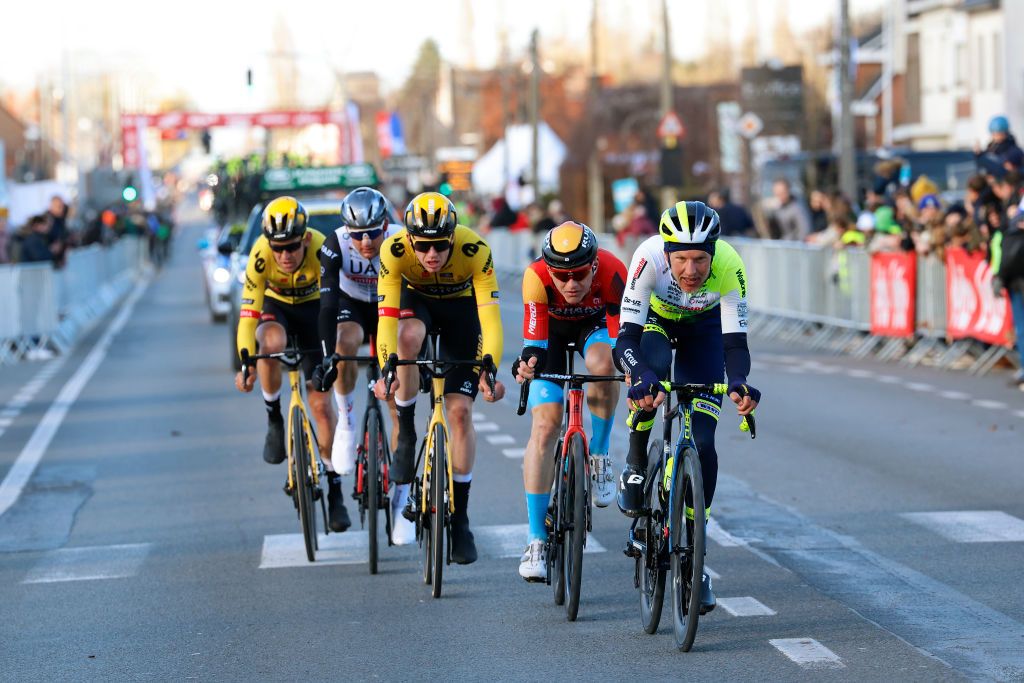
(691, 391)
(524, 389)
(486, 365)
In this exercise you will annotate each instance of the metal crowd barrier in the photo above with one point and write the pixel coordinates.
(44, 308)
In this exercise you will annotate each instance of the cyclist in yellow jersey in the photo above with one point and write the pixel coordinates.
(281, 298)
(438, 276)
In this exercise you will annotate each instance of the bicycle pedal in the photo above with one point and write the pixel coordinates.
(631, 551)
(287, 489)
(318, 493)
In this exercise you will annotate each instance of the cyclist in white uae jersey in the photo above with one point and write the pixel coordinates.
(686, 291)
(349, 264)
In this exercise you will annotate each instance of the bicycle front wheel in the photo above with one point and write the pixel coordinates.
(687, 548)
(575, 524)
(556, 539)
(303, 490)
(438, 524)
(371, 474)
(649, 569)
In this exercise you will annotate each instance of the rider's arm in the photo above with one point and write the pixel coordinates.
(614, 287)
(636, 300)
(734, 322)
(330, 265)
(535, 318)
(485, 287)
(252, 297)
(389, 296)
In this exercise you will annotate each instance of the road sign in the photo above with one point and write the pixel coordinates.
(749, 125)
(671, 126)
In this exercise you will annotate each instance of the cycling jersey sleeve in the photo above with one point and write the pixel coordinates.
(485, 287)
(389, 298)
(535, 310)
(734, 318)
(330, 287)
(635, 302)
(614, 288)
(252, 299)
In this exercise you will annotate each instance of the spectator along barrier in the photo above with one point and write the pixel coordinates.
(46, 310)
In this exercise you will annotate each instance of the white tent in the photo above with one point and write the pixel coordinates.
(489, 170)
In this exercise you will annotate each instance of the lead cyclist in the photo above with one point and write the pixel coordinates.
(686, 292)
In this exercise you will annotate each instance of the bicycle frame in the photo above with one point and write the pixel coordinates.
(437, 417)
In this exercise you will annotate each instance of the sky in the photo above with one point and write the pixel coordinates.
(203, 47)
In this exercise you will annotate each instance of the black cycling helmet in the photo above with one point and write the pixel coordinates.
(431, 215)
(569, 246)
(364, 207)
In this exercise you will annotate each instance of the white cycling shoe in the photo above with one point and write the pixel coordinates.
(602, 480)
(533, 564)
(403, 532)
(343, 451)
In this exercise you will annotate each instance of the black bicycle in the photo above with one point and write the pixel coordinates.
(570, 511)
(430, 498)
(373, 461)
(659, 540)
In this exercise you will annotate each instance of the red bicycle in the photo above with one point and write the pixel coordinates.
(569, 517)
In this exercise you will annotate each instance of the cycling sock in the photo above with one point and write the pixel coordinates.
(467, 477)
(601, 430)
(346, 402)
(273, 407)
(637, 455)
(333, 479)
(400, 497)
(537, 512)
(461, 498)
(328, 465)
(406, 418)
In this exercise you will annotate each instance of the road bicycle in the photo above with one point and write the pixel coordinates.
(373, 461)
(304, 467)
(659, 540)
(569, 519)
(431, 502)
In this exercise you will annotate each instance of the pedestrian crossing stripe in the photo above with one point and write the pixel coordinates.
(971, 526)
(89, 563)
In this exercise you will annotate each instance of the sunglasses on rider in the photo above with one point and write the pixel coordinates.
(577, 274)
(289, 246)
(424, 246)
(369, 233)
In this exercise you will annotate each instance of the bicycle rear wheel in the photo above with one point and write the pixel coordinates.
(649, 570)
(439, 522)
(303, 490)
(371, 474)
(575, 524)
(687, 548)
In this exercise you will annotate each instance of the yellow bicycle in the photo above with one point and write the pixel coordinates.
(303, 454)
(431, 503)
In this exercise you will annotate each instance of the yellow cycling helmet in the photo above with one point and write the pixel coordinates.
(284, 218)
(430, 215)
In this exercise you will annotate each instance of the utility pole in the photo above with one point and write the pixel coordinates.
(847, 159)
(534, 116)
(889, 41)
(668, 193)
(595, 179)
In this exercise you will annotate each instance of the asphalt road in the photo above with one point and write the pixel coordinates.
(874, 527)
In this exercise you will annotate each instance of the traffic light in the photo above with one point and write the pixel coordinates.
(444, 186)
(129, 193)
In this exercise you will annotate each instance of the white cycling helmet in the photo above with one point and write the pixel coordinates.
(690, 225)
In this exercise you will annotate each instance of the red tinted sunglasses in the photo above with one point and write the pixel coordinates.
(574, 274)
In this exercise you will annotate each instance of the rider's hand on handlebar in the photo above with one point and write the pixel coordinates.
(526, 369)
(245, 384)
(380, 391)
(744, 396)
(325, 373)
(485, 389)
(646, 393)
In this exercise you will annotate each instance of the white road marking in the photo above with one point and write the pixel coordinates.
(486, 427)
(26, 462)
(479, 417)
(513, 452)
(500, 439)
(288, 550)
(794, 369)
(745, 607)
(723, 537)
(972, 526)
(9, 412)
(888, 379)
(954, 395)
(89, 564)
(986, 403)
(808, 652)
(6, 422)
(17, 403)
(712, 573)
(919, 386)
(859, 374)
(1019, 413)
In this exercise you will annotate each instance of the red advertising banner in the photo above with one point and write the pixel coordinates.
(972, 310)
(893, 294)
(267, 119)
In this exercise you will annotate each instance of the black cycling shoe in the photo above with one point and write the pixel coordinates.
(463, 545)
(273, 448)
(411, 511)
(707, 596)
(631, 491)
(337, 515)
(403, 460)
